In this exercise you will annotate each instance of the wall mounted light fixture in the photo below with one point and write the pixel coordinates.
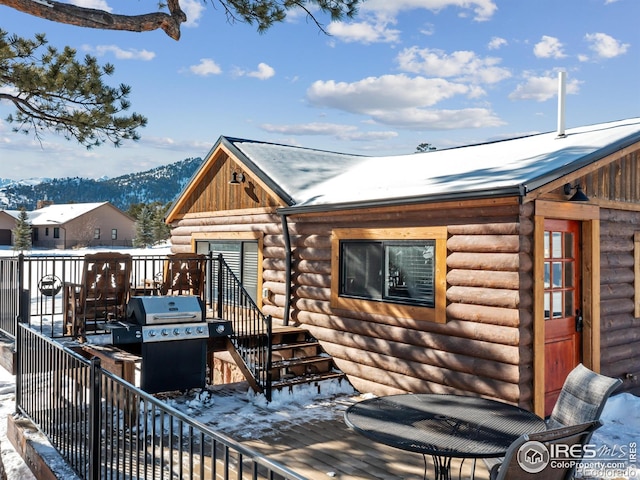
(237, 178)
(579, 196)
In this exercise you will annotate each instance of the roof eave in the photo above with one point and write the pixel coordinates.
(584, 161)
(511, 191)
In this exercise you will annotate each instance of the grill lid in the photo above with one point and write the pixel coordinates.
(157, 310)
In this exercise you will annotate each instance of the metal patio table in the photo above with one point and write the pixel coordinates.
(442, 426)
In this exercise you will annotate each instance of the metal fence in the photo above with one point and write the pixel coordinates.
(32, 290)
(105, 428)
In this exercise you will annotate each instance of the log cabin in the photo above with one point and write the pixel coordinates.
(489, 269)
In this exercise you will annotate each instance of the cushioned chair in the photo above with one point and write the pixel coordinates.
(537, 460)
(582, 398)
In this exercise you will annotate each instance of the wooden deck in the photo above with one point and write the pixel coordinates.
(326, 448)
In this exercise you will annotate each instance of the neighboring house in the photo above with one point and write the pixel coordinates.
(467, 270)
(7, 224)
(80, 225)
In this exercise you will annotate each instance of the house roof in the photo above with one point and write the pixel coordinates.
(309, 179)
(61, 214)
(289, 170)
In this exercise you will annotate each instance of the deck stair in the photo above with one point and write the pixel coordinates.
(297, 358)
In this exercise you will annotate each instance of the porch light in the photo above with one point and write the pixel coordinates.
(579, 196)
(236, 178)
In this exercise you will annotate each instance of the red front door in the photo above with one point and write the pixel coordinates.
(562, 305)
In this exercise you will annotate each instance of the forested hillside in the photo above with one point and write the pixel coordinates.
(161, 184)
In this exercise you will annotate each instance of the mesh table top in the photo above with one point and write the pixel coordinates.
(447, 425)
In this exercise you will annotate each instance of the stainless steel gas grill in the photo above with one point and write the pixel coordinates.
(172, 334)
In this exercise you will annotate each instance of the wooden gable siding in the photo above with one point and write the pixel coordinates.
(619, 325)
(618, 181)
(212, 192)
(484, 348)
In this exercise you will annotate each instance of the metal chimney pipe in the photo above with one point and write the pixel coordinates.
(562, 75)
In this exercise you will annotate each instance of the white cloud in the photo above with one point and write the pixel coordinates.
(548, 47)
(364, 32)
(403, 101)
(461, 65)
(193, 10)
(423, 119)
(263, 72)
(496, 43)
(542, 88)
(97, 4)
(121, 54)
(385, 92)
(483, 9)
(375, 17)
(205, 68)
(605, 46)
(340, 131)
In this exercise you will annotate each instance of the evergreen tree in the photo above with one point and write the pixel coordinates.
(22, 232)
(161, 231)
(53, 90)
(144, 229)
(263, 13)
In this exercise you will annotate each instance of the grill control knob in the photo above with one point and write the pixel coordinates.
(152, 333)
(188, 331)
(199, 329)
(164, 332)
(176, 332)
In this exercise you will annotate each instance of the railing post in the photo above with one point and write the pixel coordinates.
(95, 395)
(219, 313)
(267, 387)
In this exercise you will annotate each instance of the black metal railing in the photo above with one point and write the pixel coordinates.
(9, 294)
(252, 329)
(105, 428)
(37, 281)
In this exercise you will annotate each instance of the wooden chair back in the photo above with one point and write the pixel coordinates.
(184, 274)
(102, 293)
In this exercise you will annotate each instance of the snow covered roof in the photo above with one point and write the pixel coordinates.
(314, 178)
(61, 214)
(290, 170)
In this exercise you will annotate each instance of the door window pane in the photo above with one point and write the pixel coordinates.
(556, 303)
(556, 245)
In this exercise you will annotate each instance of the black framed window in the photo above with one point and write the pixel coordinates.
(56, 232)
(395, 271)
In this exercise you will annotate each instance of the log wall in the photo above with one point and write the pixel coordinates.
(619, 328)
(484, 348)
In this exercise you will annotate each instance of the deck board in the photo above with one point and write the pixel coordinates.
(325, 448)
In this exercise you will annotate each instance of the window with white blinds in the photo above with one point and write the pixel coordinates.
(242, 258)
(393, 271)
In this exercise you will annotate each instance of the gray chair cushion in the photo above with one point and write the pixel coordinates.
(582, 397)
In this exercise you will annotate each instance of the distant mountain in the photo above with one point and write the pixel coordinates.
(161, 184)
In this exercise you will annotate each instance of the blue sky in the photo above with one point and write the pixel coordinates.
(403, 72)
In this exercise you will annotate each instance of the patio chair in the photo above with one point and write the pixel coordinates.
(537, 460)
(101, 295)
(184, 275)
(582, 397)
